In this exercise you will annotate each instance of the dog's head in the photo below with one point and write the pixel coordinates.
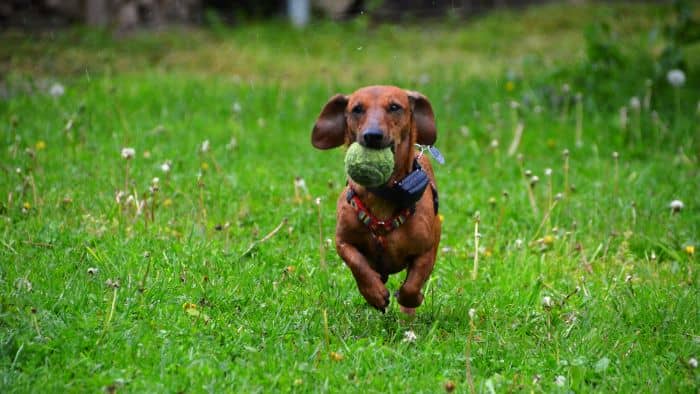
(376, 117)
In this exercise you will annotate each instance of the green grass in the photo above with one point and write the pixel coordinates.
(624, 287)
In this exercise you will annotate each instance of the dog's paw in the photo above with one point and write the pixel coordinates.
(409, 299)
(376, 295)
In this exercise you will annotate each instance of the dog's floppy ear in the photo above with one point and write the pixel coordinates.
(423, 118)
(330, 127)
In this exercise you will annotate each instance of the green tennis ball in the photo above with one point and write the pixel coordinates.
(369, 167)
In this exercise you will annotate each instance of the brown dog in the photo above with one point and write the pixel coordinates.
(384, 230)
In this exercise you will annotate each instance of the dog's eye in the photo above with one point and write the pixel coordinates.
(393, 107)
(358, 109)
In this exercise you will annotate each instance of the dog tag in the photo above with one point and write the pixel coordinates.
(436, 154)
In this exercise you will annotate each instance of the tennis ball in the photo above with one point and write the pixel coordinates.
(369, 167)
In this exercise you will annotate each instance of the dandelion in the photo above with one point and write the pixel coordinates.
(40, 145)
(533, 180)
(409, 336)
(335, 356)
(236, 107)
(128, 153)
(299, 189)
(560, 381)
(690, 250)
(166, 166)
(676, 78)
(693, 362)
(510, 86)
(232, 144)
(23, 284)
(518, 243)
(547, 302)
(494, 144)
(57, 90)
(119, 196)
(635, 104)
(204, 147)
(92, 271)
(676, 206)
(472, 313)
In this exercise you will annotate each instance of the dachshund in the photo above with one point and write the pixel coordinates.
(384, 230)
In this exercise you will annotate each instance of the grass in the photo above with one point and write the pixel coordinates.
(191, 314)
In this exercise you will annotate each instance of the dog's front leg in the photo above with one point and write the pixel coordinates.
(410, 295)
(369, 282)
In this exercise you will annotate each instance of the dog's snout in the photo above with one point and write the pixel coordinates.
(373, 138)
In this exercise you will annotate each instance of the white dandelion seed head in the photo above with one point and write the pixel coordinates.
(560, 380)
(693, 362)
(92, 271)
(299, 182)
(118, 196)
(204, 148)
(566, 88)
(676, 78)
(472, 313)
(534, 179)
(155, 181)
(558, 196)
(166, 166)
(318, 201)
(548, 171)
(615, 155)
(409, 336)
(57, 90)
(635, 103)
(233, 142)
(547, 302)
(494, 143)
(514, 104)
(128, 153)
(676, 205)
(518, 243)
(236, 107)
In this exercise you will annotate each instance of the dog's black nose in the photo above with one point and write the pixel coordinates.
(373, 138)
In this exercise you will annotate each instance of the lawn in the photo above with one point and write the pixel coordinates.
(221, 275)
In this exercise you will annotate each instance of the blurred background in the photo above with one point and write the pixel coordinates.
(130, 14)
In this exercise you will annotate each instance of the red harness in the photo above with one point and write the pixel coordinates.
(378, 227)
